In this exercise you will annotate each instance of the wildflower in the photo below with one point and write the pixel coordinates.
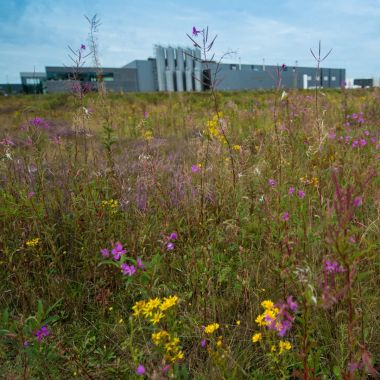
(238, 323)
(157, 317)
(195, 31)
(146, 114)
(203, 343)
(140, 370)
(267, 304)
(219, 342)
(128, 270)
(39, 122)
(291, 190)
(33, 242)
(284, 346)
(159, 337)
(168, 302)
(42, 333)
(285, 216)
(292, 304)
(105, 252)
(121, 321)
(332, 267)
(301, 194)
(272, 182)
(196, 168)
(140, 264)
(236, 147)
(260, 320)
(118, 251)
(165, 369)
(256, 337)
(273, 348)
(26, 344)
(148, 136)
(170, 246)
(31, 194)
(209, 329)
(358, 201)
(173, 236)
(138, 308)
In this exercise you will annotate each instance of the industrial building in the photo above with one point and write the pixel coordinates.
(177, 69)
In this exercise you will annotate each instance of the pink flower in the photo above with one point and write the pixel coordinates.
(140, 264)
(140, 370)
(170, 246)
(118, 251)
(358, 201)
(173, 236)
(301, 194)
(42, 333)
(272, 182)
(195, 168)
(285, 216)
(31, 194)
(128, 270)
(105, 252)
(291, 190)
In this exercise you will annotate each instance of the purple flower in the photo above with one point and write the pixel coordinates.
(165, 368)
(272, 182)
(291, 190)
(82, 47)
(42, 333)
(26, 343)
(140, 264)
(358, 201)
(39, 122)
(301, 194)
(105, 252)
(173, 236)
(285, 216)
(128, 270)
(355, 143)
(195, 31)
(117, 251)
(363, 142)
(332, 267)
(31, 194)
(203, 343)
(146, 114)
(195, 168)
(140, 370)
(293, 306)
(170, 246)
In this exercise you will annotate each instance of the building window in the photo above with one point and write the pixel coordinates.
(32, 81)
(333, 79)
(325, 79)
(233, 67)
(308, 77)
(317, 77)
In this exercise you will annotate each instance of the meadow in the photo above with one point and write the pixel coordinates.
(190, 236)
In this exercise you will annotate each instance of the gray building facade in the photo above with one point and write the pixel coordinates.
(177, 69)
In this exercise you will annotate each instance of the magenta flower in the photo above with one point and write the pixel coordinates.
(358, 201)
(140, 264)
(105, 252)
(203, 343)
(363, 142)
(39, 122)
(291, 190)
(42, 333)
(272, 182)
(195, 31)
(293, 306)
(140, 370)
(128, 270)
(165, 368)
(170, 246)
(285, 216)
(195, 168)
(332, 267)
(301, 194)
(118, 251)
(173, 236)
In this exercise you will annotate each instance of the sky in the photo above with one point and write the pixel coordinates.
(37, 33)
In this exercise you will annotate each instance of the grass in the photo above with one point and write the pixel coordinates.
(162, 161)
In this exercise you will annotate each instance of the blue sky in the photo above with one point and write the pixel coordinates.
(36, 33)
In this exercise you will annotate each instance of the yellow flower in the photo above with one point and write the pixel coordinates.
(273, 348)
(159, 337)
(168, 302)
(267, 304)
(209, 329)
(157, 317)
(236, 147)
(256, 337)
(33, 242)
(238, 322)
(121, 320)
(148, 135)
(260, 320)
(138, 308)
(153, 303)
(219, 342)
(284, 346)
